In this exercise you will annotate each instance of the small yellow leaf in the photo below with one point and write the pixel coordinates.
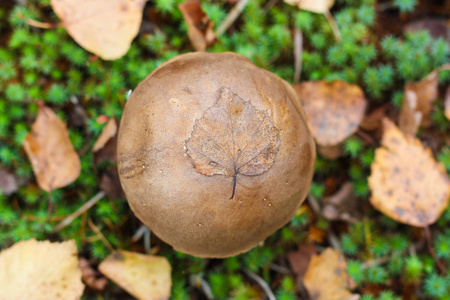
(35, 270)
(326, 277)
(103, 27)
(146, 277)
(54, 160)
(407, 184)
(317, 6)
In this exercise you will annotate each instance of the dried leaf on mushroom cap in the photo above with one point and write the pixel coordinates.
(407, 183)
(53, 158)
(327, 278)
(103, 27)
(333, 110)
(317, 6)
(34, 270)
(146, 277)
(200, 27)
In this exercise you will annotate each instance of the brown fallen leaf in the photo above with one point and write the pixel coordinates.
(103, 27)
(233, 137)
(8, 183)
(409, 119)
(426, 92)
(407, 183)
(373, 120)
(317, 6)
(299, 260)
(90, 276)
(200, 27)
(343, 205)
(333, 110)
(447, 103)
(53, 158)
(35, 270)
(105, 150)
(109, 132)
(327, 278)
(146, 277)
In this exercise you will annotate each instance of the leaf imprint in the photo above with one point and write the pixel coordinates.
(233, 137)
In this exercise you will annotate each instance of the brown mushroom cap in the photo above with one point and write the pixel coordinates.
(165, 184)
(334, 110)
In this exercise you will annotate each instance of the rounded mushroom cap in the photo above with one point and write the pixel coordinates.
(196, 126)
(334, 110)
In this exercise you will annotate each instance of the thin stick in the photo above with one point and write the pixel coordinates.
(431, 250)
(262, 283)
(334, 27)
(100, 235)
(298, 50)
(269, 5)
(198, 282)
(232, 16)
(138, 234)
(280, 269)
(35, 23)
(77, 213)
(147, 236)
(374, 262)
(367, 137)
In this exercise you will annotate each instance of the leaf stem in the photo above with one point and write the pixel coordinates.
(234, 185)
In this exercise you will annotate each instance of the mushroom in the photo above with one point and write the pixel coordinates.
(334, 111)
(214, 153)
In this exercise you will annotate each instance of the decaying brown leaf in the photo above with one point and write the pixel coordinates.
(233, 137)
(109, 132)
(8, 183)
(317, 6)
(54, 160)
(407, 183)
(35, 270)
(343, 205)
(426, 92)
(90, 276)
(299, 260)
(409, 119)
(146, 277)
(200, 27)
(105, 150)
(333, 110)
(103, 27)
(327, 278)
(447, 103)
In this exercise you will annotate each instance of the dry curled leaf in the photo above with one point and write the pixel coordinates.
(109, 132)
(103, 27)
(333, 110)
(53, 158)
(299, 260)
(233, 137)
(200, 27)
(426, 92)
(90, 276)
(327, 278)
(343, 205)
(143, 276)
(447, 103)
(409, 119)
(317, 6)
(35, 270)
(407, 183)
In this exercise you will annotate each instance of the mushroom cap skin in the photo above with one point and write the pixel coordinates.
(191, 211)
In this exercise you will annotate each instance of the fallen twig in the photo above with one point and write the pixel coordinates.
(80, 211)
(100, 235)
(334, 27)
(232, 16)
(298, 50)
(35, 23)
(262, 283)
(432, 252)
(200, 283)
